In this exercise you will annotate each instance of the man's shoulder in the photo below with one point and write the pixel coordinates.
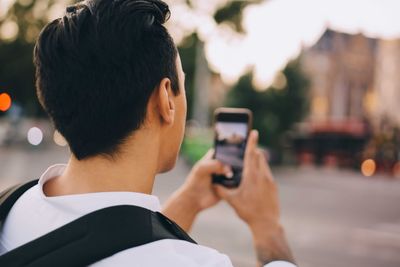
(168, 252)
(45, 217)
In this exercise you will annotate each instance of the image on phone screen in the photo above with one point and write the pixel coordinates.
(230, 146)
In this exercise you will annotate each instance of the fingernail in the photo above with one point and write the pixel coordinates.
(255, 133)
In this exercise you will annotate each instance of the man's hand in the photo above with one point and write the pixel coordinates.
(256, 202)
(256, 199)
(197, 193)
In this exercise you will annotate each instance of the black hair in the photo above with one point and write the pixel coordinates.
(97, 67)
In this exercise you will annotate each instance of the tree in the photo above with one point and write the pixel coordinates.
(26, 18)
(232, 13)
(275, 110)
(187, 52)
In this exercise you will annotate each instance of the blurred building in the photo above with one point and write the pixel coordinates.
(355, 87)
(341, 68)
(386, 95)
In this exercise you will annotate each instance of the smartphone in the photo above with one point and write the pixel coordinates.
(232, 127)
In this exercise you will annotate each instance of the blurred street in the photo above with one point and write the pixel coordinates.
(332, 218)
(323, 91)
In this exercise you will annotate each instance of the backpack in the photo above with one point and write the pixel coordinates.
(90, 238)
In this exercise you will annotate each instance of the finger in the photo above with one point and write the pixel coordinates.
(252, 142)
(266, 154)
(250, 163)
(251, 146)
(209, 165)
(227, 171)
(208, 155)
(223, 169)
(213, 166)
(224, 192)
(263, 165)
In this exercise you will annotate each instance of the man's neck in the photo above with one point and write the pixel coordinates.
(132, 171)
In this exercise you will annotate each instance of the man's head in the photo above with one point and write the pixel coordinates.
(98, 67)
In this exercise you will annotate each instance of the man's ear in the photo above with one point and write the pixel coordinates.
(166, 105)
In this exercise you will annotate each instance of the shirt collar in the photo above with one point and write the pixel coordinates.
(93, 201)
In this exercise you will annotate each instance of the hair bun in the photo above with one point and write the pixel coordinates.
(157, 8)
(162, 12)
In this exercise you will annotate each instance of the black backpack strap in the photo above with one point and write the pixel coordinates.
(95, 236)
(168, 226)
(9, 196)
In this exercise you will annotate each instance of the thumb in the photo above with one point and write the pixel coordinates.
(208, 155)
(210, 166)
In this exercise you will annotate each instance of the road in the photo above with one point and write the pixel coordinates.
(332, 217)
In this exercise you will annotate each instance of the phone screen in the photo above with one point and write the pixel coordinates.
(230, 145)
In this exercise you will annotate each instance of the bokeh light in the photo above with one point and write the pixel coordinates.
(59, 139)
(5, 102)
(280, 81)
(9, 30)
(35, 136)
(368, 167)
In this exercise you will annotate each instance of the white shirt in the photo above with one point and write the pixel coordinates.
(49, 213)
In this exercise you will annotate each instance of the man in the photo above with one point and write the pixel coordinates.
(110, 78)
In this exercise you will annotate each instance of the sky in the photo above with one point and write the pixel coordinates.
(227, 129)
(275, 30)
